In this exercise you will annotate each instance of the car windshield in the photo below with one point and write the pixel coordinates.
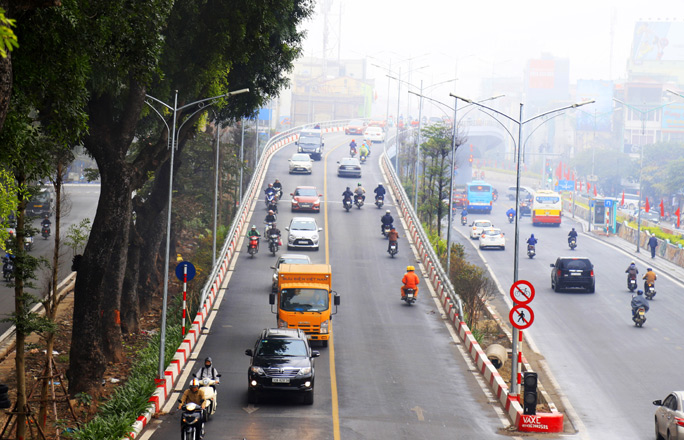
(309, 139)
(480, 188)
(303, 225)
(41, 197)
(304, 300)
(576, 265)
(301, 158)
(281, 347)
(547, 199)
(294, 260)
(493, 232)
(482, 224)
(356, 123)
(307, 192)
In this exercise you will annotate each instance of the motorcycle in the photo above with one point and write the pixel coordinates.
(45, 232)
(572, 243)
(271, 199)
(362, 158)
(279, 193)
(358, 200)
(386, 230)
(379, 201)
(639, 317)
(267, 227)
(393, 249)
(531, 251)
(511, 217)
(208, 386)
(28, 243)
(650, 291)
(253, 245)
(191, 421)
(410, 296)
(347, 203)
(352, 153)
(631, 282)
(273, 243)
(8, 269)
(464, 220)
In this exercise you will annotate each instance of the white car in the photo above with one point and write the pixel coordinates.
(303, 233)
(300, 163)
(287, 259)
(669, 417)
(477, 226)
(374, 134)
(492, 237)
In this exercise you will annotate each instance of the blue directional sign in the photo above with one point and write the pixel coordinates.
(608, 203)
(181, 268)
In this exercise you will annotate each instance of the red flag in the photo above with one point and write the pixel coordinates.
(677, 214)
(647, 207)
(580, 182)
(662, 208)
(594, 190)
(622, 202)
(588, 186)
(559, 171)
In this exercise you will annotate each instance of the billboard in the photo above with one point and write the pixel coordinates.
(541, 74)
(596, 116)
(673, 117)
(547, 80)
(658, 41)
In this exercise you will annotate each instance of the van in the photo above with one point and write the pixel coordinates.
(525, 193)
(310, 142)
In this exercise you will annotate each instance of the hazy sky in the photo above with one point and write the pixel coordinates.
(477, 38)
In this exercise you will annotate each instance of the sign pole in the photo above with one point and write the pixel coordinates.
(185, 294)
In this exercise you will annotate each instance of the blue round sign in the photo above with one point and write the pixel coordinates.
(181, 268)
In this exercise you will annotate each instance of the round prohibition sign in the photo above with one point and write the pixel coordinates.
(521, 316)
(522, 292)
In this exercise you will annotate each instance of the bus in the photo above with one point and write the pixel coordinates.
(547, 208)
(479, 196)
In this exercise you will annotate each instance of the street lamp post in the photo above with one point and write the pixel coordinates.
(520, 122)
(175, 109)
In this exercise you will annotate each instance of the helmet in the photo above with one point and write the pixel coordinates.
(276, 181)
(253, 226)
(632, 262)
(270, 211)
(640, 292)
(573, 229)
(388, 212)
(409, 268)
(270, 185)
(359, 184)
(347, 188)
(207, 359)
(352, 140)
(194, 383)
(648, 269)
(380, 184)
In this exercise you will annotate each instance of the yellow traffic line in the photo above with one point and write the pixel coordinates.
(331, 342)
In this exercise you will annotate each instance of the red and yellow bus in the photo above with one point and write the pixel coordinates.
(547, 207)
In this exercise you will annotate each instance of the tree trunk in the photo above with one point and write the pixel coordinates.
(20, 312)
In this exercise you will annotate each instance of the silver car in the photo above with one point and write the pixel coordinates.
(303, 233)
(300, 163)
(287, 259)
(669, 417)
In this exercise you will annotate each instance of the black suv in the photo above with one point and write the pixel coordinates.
(282, 360)
(573, 272)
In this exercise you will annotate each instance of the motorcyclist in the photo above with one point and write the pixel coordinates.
(363, 150)
(632, 270)
(464, 214)
(359, 191)
(649, 277)
(278, 187)
(393, 237)
(195, 395)
(386, 219)
(208, 372)
(410, 281)
(253, 233)
(273, 231)
(510, 212)
(531, 242)
(379, 191)
(270, 191)
(639, 300)
(46, 223)
(270, 217)
(347, 194)
(572, 234)
(352, 148)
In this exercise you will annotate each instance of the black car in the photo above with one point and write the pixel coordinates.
(573, 272)
(282, 360)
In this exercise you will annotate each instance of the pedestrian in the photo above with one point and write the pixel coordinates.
(653, 244)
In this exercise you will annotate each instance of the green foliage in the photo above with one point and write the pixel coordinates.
(8, 41)
(8, 204)
(77, 235)
(436, 158)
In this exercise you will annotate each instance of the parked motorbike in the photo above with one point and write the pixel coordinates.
(358, 200)
(393, 249)
(572, 243)
(347, 203)
(208, 386)
(531, 251)
(650, 291)
(639, 317)
(464, 220)
(631, 282)
(386, 230)
(410, 296)
(253, 247)
(45, 232)
(379, 201)
(511, 217)
(273, 243)
(191, 421)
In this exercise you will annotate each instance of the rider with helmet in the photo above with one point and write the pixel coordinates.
(649, 278)
(639, 300)
(278, 187)
(363, 150)
(359, 191)
(253, 233)
(510, 212)
(379, 191)
(410, 281)
(347, 194)
(195, 395)
(270, 217)
(208, 372)
(270, 191)
(572, 234)
(352, 148)
(386, 220)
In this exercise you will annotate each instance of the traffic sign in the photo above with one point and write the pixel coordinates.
(180, 269)
(522, 292)
(521, 316)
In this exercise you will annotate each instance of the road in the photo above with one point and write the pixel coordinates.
(609, 370)
(81, 202)
(391, 372)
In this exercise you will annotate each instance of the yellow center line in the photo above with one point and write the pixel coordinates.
(331, 342)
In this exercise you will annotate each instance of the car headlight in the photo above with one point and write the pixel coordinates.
(304, 371)
(324, 327)
(256, 370)
(314, 237)
(291, 239)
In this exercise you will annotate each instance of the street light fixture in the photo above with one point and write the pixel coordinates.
(520, 122)
(174, 133)
(642, 117)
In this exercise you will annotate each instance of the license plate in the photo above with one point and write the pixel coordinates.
(641, 313)
(281, 380)
(575, 274)
(410, 295)
(306, 205)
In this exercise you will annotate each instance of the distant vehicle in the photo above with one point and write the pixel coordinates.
(547, 208)
(374, 134)
(306, 198)
(287, 259)
(378, 122)
(492, 237)
(669, 417)
(479, 196)
(478, 226)
(349, 167)
(460, 197)
(573, 272)
(41, 204)
(282, 360)
(300, 163)
(303, 233)
(355, 126)
(311, 142)
(525, 193)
